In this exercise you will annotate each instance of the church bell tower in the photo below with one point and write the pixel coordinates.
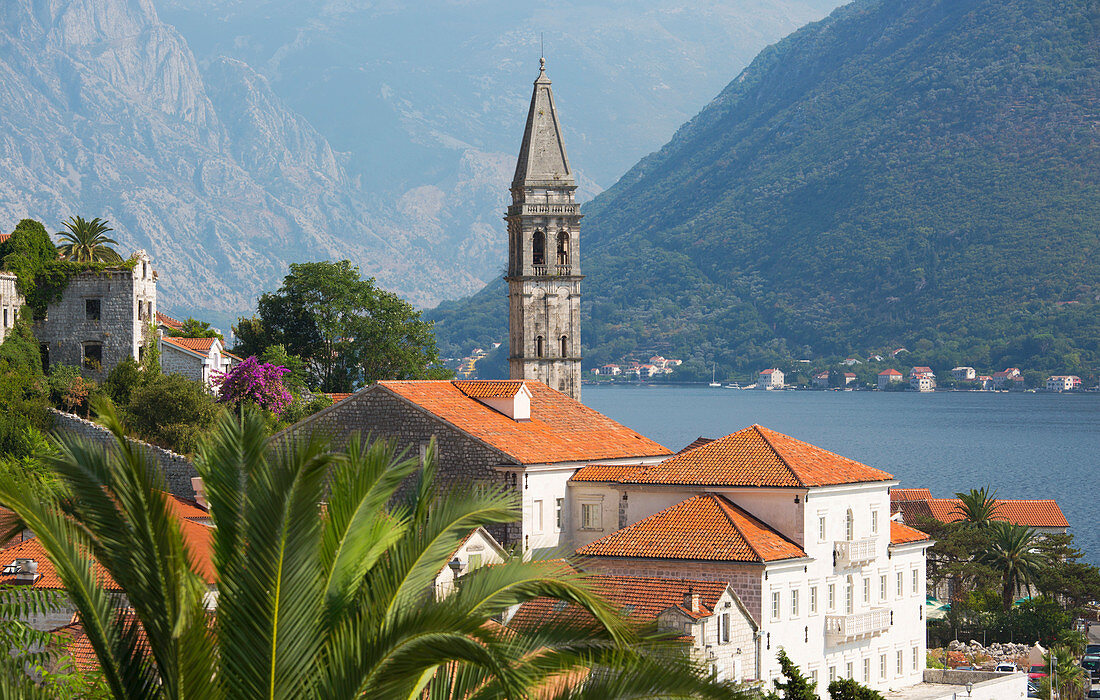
(544, 279)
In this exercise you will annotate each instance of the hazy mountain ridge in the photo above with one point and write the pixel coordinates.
(898, 174)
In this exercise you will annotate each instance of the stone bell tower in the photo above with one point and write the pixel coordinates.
(544, 279)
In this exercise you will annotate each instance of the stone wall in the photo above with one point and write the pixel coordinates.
(11, 301)
(127, 302)
(986, 685)
(377, 413)
(176, 468)
(176, 361)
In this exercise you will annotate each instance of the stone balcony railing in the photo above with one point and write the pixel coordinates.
(558, 270)
(848, 552)
(839, 628)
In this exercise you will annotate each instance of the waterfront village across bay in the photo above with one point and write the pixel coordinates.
(764, 558)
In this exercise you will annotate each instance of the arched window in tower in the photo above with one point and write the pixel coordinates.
(563, 247)
(850, 526)
(538, 249)
(538, 346)
(563, 345)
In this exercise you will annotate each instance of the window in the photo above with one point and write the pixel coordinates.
(901, 584)
(590, 516)
(874, 522)
(850, 526)
(813, 676)
(475, 562)
(831, 603)
(851, 672)
(144, 270)
(44, 351)
(901, 662)
(849, 597)
(916, 654)
(559, 506)
(882, 667)
(832, 673)
(538, 249)
(813, 600)
(867, 670)
(5, 318)
(563, 346)
(538, 346)
(93, 356)
(149, 311)
(775, 605)
(866, 590)
(724, 628)
(794, 603)
(916, 581)
(563, 247)
(91, 309)
(882, 588)
(821, 528)
(536, 515)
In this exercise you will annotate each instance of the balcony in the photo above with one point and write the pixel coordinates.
(849, 552)
(565, 270)
(539, 270)
(557, 270)
(841, 628)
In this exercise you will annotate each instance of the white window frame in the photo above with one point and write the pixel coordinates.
(559, 514)
(822, 529)
(866, 670)
(916, 581)
(536, 516)
(866, 590)
(813, 600)
(901, 584)
(874, 521)
(595, 510)
(724, 628)
(882, 670)
(883, 588)
(777, 608)
(794, 603)
(916, 657)
(831, 602)
(901, 662)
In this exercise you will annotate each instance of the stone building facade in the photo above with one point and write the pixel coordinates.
(11, 302)
(199, 359)
(101, 319)
(544, 279)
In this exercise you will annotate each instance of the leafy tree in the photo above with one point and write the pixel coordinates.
(171, 411)
(87, 241)
(794, 685)
(322, 602)
(346, 330)
(122, 380)
(194, 328)
(848, 689)
(1034, 619)
(977, 506)
(1012, 554)
(295, 378)
(69, 390)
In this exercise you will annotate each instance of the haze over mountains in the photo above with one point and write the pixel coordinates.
(901, 173)
(230, 138)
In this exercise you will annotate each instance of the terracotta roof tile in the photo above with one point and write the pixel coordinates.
(757, 456)
(492, 389)
(612, 473)
(193, 344)
(1030, 513)
(167, 320)
(639, 598)
(903, 534)
(889, 373)
(707, 527)
(910, 494)
(697, 442)
(337, 396)
(560, 429)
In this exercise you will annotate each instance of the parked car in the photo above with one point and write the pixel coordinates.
(1094, 693)
(1006, 668)
(1092, 650)
(1092, 665)
(1037, 672)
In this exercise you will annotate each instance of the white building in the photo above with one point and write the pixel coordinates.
(770, 379)
(1066, 382)
(964, 374)
(888, 376)
(803, 536)
(922, 379)
(11, 301)
(477, 550)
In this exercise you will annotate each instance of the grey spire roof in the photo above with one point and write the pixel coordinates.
(542, 156)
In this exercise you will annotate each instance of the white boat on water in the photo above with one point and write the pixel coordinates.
(713, 384)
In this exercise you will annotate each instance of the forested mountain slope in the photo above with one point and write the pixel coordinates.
(900, 173)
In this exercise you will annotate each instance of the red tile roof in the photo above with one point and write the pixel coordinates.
(560, 429)
(696, 443)
(640, 599)
(4, 237)
(185, 509)
(901, 533)
(910, 494)
(707, 527)
(889, 373)
(492, 389)
(167, 320)
(199, 345)
(1030, 513)
(337, 396)
(757, 456)
(612, 473)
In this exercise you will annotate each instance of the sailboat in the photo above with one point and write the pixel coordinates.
(713, 383)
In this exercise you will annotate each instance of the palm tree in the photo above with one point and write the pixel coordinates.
(321, 602)
(87, 241)
(977, 506)
(1071, 677)
(1012, 553)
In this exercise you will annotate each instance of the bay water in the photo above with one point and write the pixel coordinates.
(1022, 445)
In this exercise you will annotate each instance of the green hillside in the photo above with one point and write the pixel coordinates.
(919, 173)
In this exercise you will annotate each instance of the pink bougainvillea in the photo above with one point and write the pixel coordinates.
(255, 382)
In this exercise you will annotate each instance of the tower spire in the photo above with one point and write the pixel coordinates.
(542, 155)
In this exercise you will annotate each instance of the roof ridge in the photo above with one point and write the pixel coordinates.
(760, 431)
(722, 506)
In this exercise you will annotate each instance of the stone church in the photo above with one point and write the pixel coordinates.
(544, 277)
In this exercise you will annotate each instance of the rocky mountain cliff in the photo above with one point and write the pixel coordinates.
(899, 174)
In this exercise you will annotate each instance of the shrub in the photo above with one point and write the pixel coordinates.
(171, 411)
(848, 689)
(256, 383)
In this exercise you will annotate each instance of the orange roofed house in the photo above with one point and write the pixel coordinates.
(516, 433)
(803, 537)
(200, 359)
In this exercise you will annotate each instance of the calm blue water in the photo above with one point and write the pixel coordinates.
(1023, 445)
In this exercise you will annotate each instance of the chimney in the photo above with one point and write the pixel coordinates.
(26, 571)
(691, 600)
(200, 492)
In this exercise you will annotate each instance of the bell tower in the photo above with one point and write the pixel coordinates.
(544, 279)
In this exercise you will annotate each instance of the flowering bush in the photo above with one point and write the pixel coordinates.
(257, 383)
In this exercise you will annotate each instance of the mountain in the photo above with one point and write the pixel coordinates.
(900, 173)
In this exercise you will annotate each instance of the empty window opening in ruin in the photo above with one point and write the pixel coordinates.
(92, 309)
(93, 356)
